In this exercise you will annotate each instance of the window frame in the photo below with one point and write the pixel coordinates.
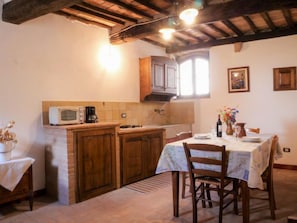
(193, 57)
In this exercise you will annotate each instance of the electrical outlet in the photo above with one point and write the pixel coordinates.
(286, 149)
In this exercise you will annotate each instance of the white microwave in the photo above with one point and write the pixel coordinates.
(66, 115)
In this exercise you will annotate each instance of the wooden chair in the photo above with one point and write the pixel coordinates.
(210, 179)
(267, 178)
(254, 130)
(185, 175)
(181, 136)
(173, 139)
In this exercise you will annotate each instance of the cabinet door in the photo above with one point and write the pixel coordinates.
(132, 167)
(170, 78)
(140, 154)
(153, 152)
(158, 76)
(95, 162)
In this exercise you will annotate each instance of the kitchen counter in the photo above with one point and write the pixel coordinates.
(138, 129)
(170, 129)
(84, 125)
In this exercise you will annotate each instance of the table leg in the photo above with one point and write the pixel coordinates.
(175, 191)
(245, 201)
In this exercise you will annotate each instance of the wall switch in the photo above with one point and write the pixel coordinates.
(286, 149)
(123, 115)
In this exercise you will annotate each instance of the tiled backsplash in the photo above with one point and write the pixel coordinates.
(136, 113)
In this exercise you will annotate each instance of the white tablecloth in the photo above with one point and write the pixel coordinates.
(11, 171)
(246, 160)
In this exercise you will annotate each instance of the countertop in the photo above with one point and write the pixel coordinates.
(84, 125)
(170, 129)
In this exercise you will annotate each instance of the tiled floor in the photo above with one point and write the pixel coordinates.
(128, 206)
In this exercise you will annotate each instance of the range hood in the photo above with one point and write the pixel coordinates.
(154, 96)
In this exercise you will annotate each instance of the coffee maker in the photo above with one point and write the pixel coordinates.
(91, 116)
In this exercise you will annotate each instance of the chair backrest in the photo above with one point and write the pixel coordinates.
(179, 136)
(254, 130)
(269, 169)
(206, 160)
(267, 174)
(184, 135)
(173, 139)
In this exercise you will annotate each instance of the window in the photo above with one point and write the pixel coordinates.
(193, 80)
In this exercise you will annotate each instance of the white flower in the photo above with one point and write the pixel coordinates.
(6, 135)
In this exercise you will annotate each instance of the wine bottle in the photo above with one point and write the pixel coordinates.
(219, 127)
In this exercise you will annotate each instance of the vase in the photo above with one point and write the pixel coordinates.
(242, 129)
(5, 150)
(229, 129)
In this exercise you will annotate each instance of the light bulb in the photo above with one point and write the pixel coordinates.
(167, 33)
(188, 15)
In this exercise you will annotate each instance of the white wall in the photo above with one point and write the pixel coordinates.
(52, 58)
(272, 111)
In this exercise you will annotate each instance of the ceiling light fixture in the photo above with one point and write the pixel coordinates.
(189, 15)
(167, 33)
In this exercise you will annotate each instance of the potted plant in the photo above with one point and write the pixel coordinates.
(7, 141)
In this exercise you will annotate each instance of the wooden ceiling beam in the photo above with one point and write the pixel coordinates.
(245, 38)
(153, 42)
(238, 8)
(231, 26)
(151, 6)
(288, 17)
(251, 24)
(106, 12)
(268, 20)
(206, 34)
(214, 27)
(85, 21)
(186, 33)
(130, 8)
(97, 14)
(19, 11)
(209, 14)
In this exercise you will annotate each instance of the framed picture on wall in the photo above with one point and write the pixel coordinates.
(284, 78)
(238, 79)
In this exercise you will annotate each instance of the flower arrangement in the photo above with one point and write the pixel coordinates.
(228, 114)
(6, 135)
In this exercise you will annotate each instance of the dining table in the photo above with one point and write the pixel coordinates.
(248, 157)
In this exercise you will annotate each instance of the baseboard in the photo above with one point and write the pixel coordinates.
(284, 166)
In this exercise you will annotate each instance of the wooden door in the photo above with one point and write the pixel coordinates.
(132, 167)
(152, 152)
(140, 153)
(95, 162)
(158, 76)
(170, 78)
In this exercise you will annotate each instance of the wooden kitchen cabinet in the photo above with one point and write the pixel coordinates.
(96, 162)
(158, 78)
(139, 154)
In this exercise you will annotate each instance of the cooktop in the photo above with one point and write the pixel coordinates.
(130, 126)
